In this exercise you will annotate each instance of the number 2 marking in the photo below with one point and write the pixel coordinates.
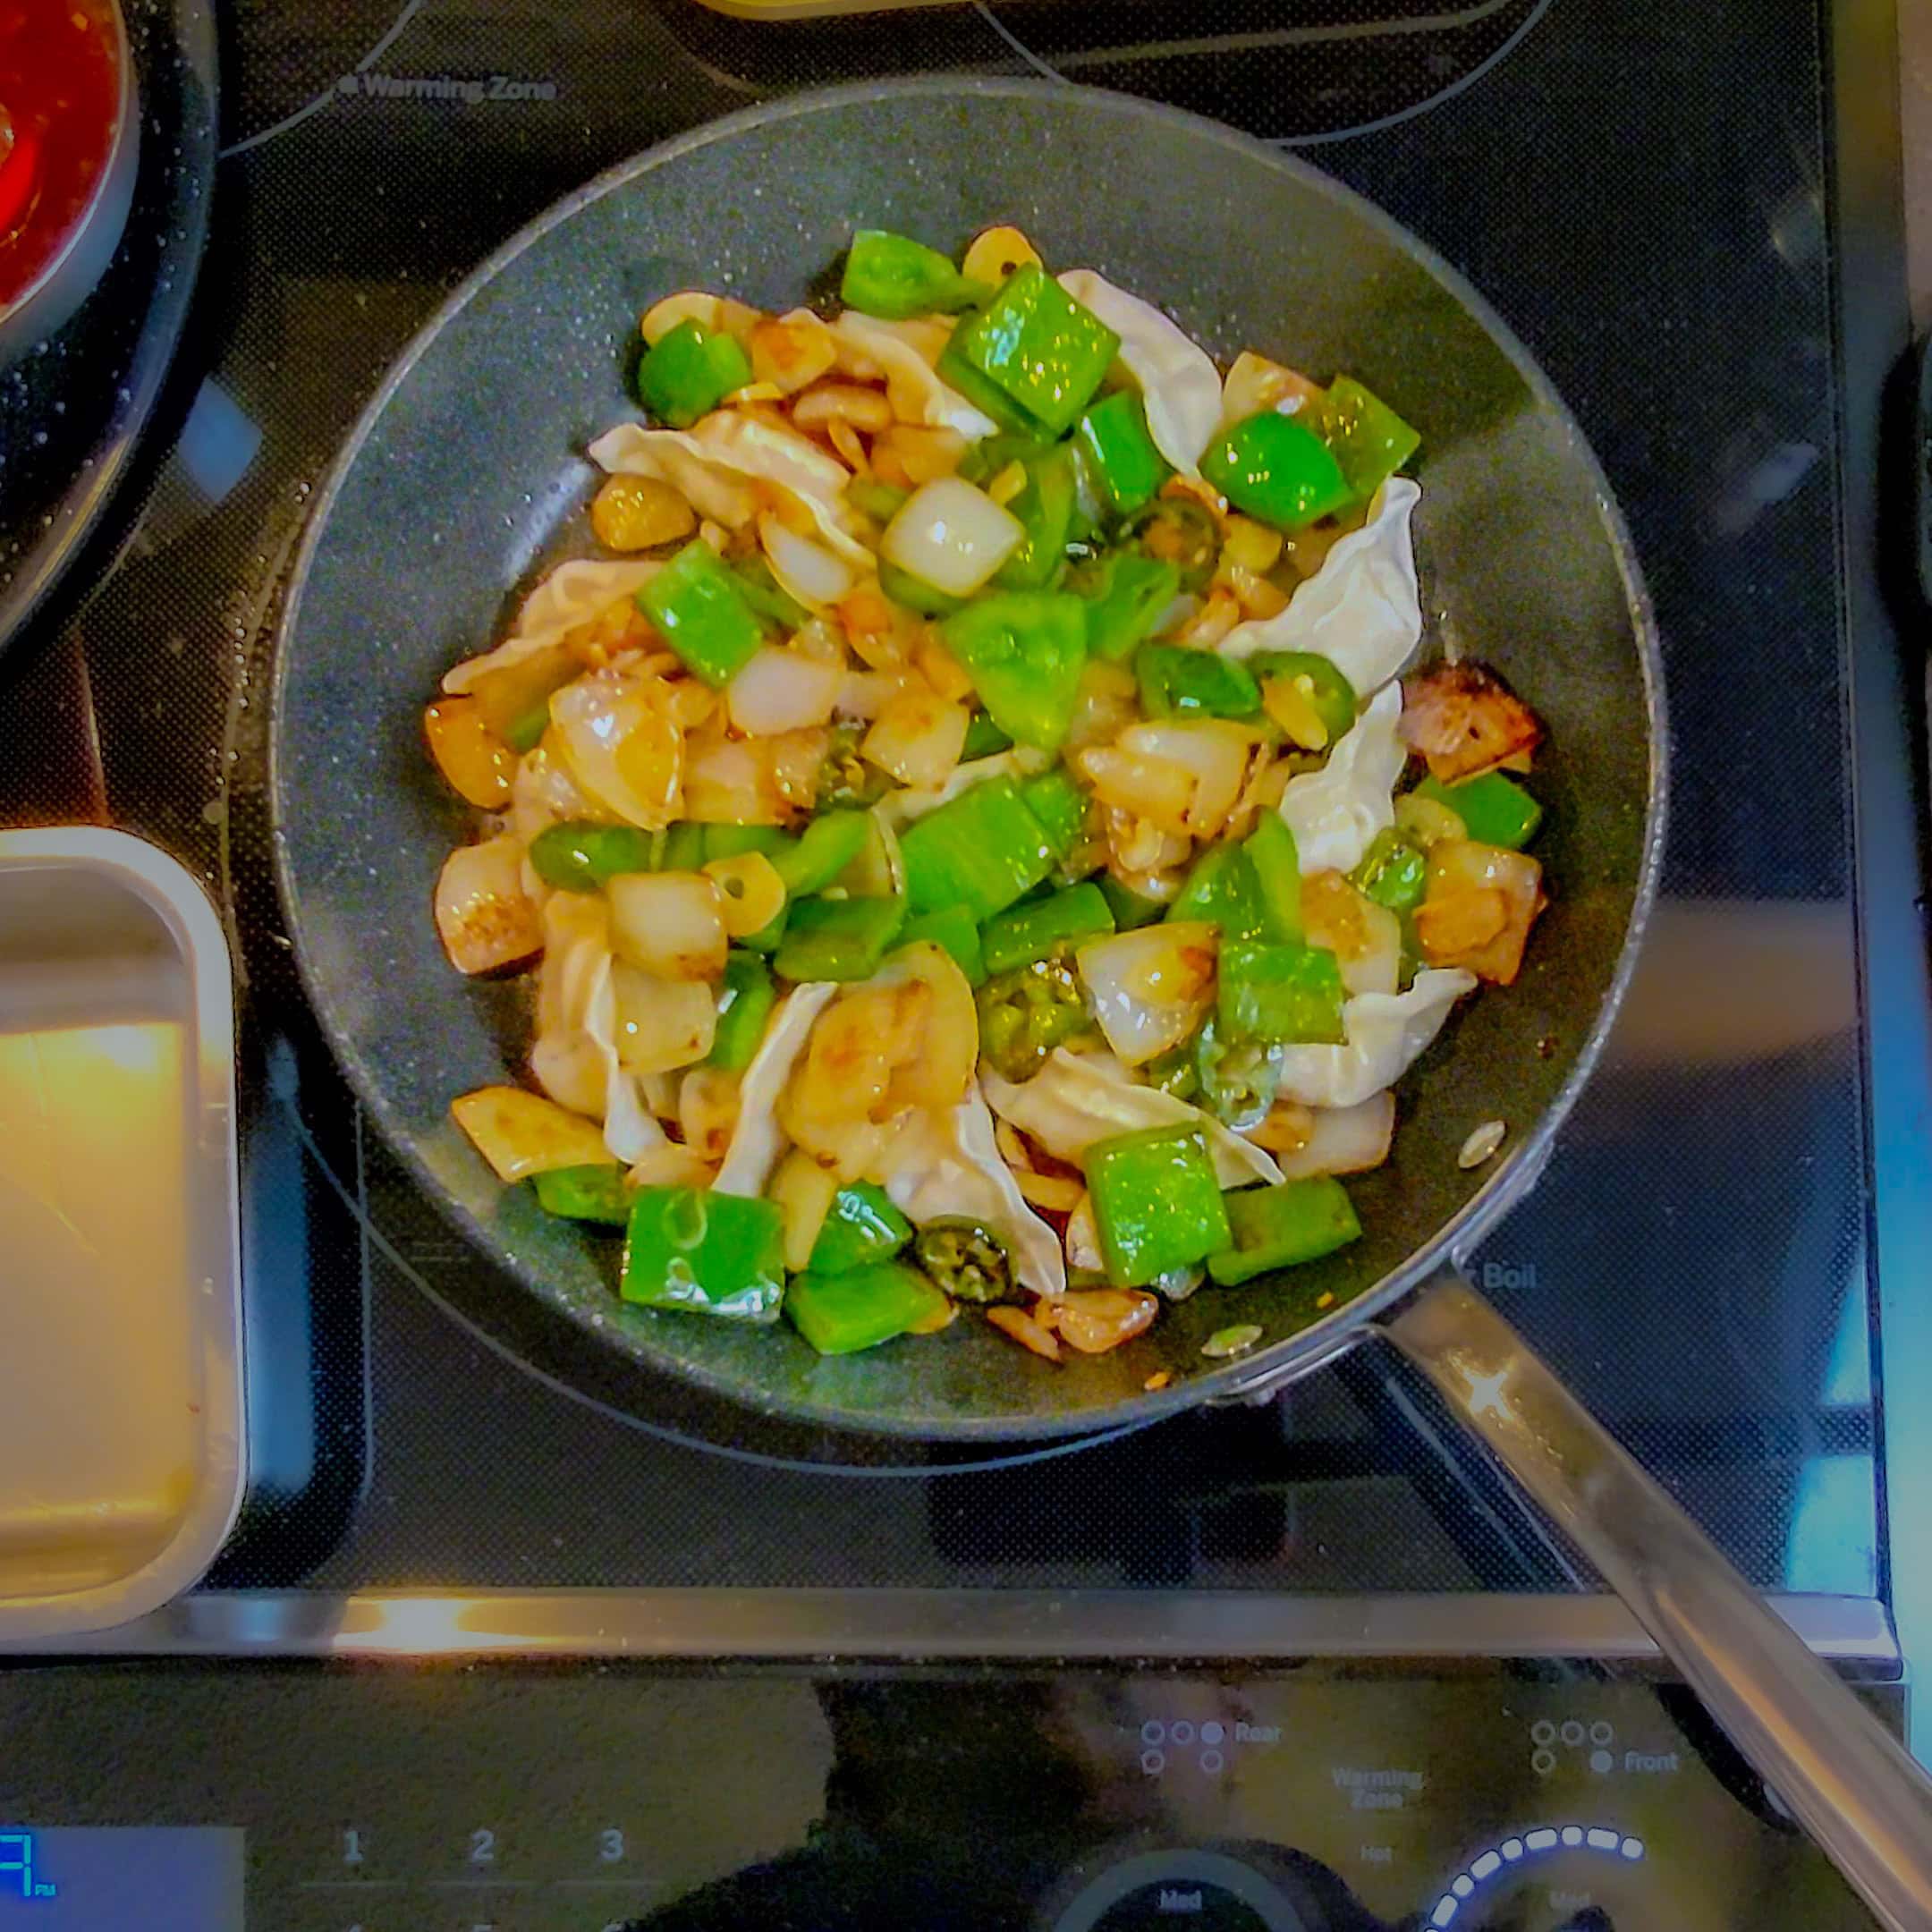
(482, 1848)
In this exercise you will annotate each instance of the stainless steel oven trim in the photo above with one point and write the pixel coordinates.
(1018, 1627)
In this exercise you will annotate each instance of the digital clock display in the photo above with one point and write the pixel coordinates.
(98, 1878)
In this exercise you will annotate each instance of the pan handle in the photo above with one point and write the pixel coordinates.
(1847, 1783)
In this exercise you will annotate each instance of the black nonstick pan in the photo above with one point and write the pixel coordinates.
(462, 481)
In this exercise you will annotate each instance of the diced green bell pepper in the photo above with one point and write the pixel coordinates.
(1155, 1202)
(1495, 809)
(1044, 510)
(882, 502)
(980, 850)
(688, 372)
(1222, 889)
(1129, 907)
(1278, 875)
(595, 1193)
(894, 277)
(984, 739)
(1126, 466)
(903, 587)
(1176, 682)
(1056, 798)
(579, 855)
(761, 592)
(1276, 469)
(1392, 872)
(1369, 440)
(746, 997)
(1023, 650)
(695, 1249)
(1043, 351)
(734, 841)
(1283, 1226)
(1130, 593)
(841, 1314)
(862, 1228)
(1279, 993)
(952, 930)
(528, 727)
(699, 605)
(838, 938)
(683, 847)
(1330, 695)
(826, 847)
(1031, 931)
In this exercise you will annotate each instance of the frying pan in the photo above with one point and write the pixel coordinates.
(460, 486)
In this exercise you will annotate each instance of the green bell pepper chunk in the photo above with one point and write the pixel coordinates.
(1493, 807)
(1129, 907)
(1130, 594)
(1392, 872)
(903, 587)
(1222, 889)
(1369, 440)
(1277, 471)
(699, 605)
(1271, 852)
(838, 938)
(1023, 650)
(954, 932)
(1031, 931)
(1283, 1226)
(984, 738)
(579, 855)
(841, 1314)
(1279, 993)
(1157, 1203)
(861, 1229)
(1330, 695)
(761, 592)
(746, 997)
(683, 847)
(688, 372)
(1057, 802)
(882, 502)
(1044, 510)
(596, 1193)
(1123, 462)
(1176, 682)
(826, 847)
(715, 1254)
(1043, 351)
(894, 277)
(770, 935)
(734, 841)
(527, 728)
(980, 850)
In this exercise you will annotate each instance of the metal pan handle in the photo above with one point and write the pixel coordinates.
(1847, 1783)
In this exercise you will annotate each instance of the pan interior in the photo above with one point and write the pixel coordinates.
(466, 480)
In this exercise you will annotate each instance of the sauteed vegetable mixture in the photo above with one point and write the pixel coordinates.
(979, 852)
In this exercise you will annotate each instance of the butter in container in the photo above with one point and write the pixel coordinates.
(123, 1449)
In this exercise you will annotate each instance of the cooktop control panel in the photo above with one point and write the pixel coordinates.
(511, 1798)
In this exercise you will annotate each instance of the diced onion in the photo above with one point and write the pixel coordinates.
(918, 736)
(1254, 383)
(804, 1191)
(522, 1133)
(951, 535)
(707, 1111)
(781, 690)
(1150, 988)
(668, 923)
(661, 1023)
(1365, 937)
(709, 311)
(623, 745)
(1343, 1140)
(729, 783)
(805, 570)
(669, 1165)
(483, 916)
(791, 352)
(1215, 751)
(1156, 790)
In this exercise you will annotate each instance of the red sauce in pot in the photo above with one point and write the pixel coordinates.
(59, 93)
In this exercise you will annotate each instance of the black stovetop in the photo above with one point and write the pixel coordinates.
(1644, 194)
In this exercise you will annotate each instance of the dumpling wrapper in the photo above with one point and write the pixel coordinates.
(573, 594)
(1177, 378)
(716, 463)
(575, 1054)
(913, 387)
(757, 1138)
(1387, 1033)
(943, 1161)
(1335, 813)
(1363, 610)
(1078, 1098)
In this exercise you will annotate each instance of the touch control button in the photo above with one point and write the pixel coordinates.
(1167, 1891)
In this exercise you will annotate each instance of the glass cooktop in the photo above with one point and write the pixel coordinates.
(1644, 194)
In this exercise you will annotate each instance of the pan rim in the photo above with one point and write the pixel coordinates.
(1514, 1175)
